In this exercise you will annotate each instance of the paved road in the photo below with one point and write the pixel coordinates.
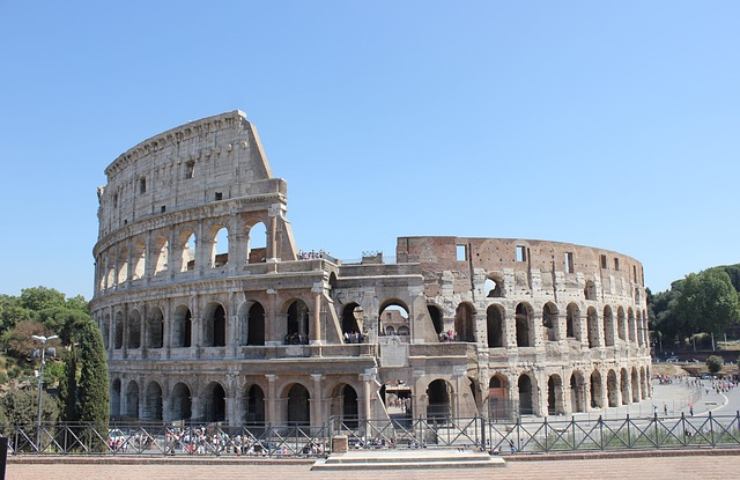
(653, 468)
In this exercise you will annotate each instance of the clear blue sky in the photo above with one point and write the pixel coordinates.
(613, 124)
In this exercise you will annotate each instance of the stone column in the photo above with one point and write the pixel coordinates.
(315, 330)
(317, 401)
(273, 416)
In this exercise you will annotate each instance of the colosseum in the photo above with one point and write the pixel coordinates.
(211, 313)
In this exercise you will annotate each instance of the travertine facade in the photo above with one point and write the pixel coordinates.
(258, 332)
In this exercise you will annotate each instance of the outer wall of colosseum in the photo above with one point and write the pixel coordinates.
(211, 313)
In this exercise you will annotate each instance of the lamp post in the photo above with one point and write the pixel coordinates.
(43, 340)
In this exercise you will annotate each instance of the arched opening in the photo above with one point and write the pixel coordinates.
(494, 286)
(526, 400)
(187, 251)
(182, 328)
(118, 340)
(555, 404)
(220, 248)
(577, 393)
(608, 326)
(255, 334)
(631, 324)
(393, 315)
(155, 329)
(523, 321)
(612, 389)
(115, 398)
(180, 402)
(593, 327)
(439, 393)
(590, 291)
(214, 334)
(437, 321)
(344, 404)
(550, 322)
(624, 384)
(498, 397)
(257, 244)
(350, 324)
(214, 403)
(254, 411)
(153, 402)
(573, 321)
(621, 324)
(635, 386)
(495, 326)
(465, 323)
(162, 254)
(298, 405)
(134, 330)
(132, 400)
(596, 393)
(297, 324)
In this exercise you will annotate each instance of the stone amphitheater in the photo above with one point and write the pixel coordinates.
(211, 313)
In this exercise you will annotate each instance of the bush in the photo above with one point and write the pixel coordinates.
(714, 363)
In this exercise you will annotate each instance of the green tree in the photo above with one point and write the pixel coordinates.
(708, 302)
(714, 363)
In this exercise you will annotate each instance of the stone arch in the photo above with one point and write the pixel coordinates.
(596, 390)
(608, 326)
(155, 328)
(132, 399)
(550, 322)
(343, 404)
(555, 397)
(219, 239)
(498, 397)
(526, 394)
(592, 324)
(297, 404)
(621, 325)
(524, 331)
(181, 402)
(573, 321)
(297, 318)
(612, 388)
(624, 386)
(439, 395)
(577, 392)
(465, 322)
(257, 243)
(214, 325)
(182, 327)
(350, 323)
(214, 402)
(254, 408)
(153, 401)
(133, 340)
(635, 386)
(437, 320)
(118, 331)
(115, 398)
(589, 292)
(495, 326)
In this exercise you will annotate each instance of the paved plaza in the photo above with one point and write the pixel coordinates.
(653, 468)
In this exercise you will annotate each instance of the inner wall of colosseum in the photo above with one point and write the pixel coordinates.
(209, 311)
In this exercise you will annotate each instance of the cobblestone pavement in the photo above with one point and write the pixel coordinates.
(653, 468)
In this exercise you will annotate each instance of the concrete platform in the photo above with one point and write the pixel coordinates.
(407, 459)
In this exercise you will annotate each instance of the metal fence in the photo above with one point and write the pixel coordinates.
(520, 437)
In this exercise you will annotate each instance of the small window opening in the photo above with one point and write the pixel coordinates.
(603, 262)
(616, 264)
(461, 253)
(189, 170)
(142, 185)
(219, 196)
(569, 267)
(163, 209)
(521, 253)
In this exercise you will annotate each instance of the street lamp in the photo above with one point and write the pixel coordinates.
(43, 340)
